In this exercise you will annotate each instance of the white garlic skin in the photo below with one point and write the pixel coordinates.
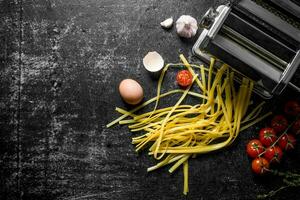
(186, 26)
(167, 23)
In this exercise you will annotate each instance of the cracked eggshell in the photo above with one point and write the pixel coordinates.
(167, 23)
(153, 62)
(186, 26)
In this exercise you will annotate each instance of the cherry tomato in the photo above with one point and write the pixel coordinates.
(287, 142)
(184, 78)
(292, 108)
(260, 165)
(296, 127)
(267, 136)
(279, 123)
(254, 148)
(273, 154)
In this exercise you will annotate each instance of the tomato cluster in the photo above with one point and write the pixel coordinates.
(274, 140)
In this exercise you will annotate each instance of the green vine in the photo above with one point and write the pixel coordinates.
(288, 178)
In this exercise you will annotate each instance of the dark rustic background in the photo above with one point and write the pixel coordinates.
(61, 62)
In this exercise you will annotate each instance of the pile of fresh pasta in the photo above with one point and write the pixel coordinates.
(179, 132)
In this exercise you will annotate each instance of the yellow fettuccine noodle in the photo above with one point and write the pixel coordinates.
(176, 133)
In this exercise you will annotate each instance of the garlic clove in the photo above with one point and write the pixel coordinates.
(153, 62)
(186, 26)
(167, 23)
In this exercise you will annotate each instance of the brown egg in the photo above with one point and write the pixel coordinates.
(131, 91)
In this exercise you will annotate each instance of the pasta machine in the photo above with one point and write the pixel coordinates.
(255, 42)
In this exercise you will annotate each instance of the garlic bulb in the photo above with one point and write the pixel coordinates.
(186, 26)
(167, 23)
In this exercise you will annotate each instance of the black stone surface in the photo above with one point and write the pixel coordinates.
(60, 65)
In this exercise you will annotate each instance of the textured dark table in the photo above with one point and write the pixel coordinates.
(61, 62)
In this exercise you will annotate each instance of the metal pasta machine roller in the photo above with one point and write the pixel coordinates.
(255, 42)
